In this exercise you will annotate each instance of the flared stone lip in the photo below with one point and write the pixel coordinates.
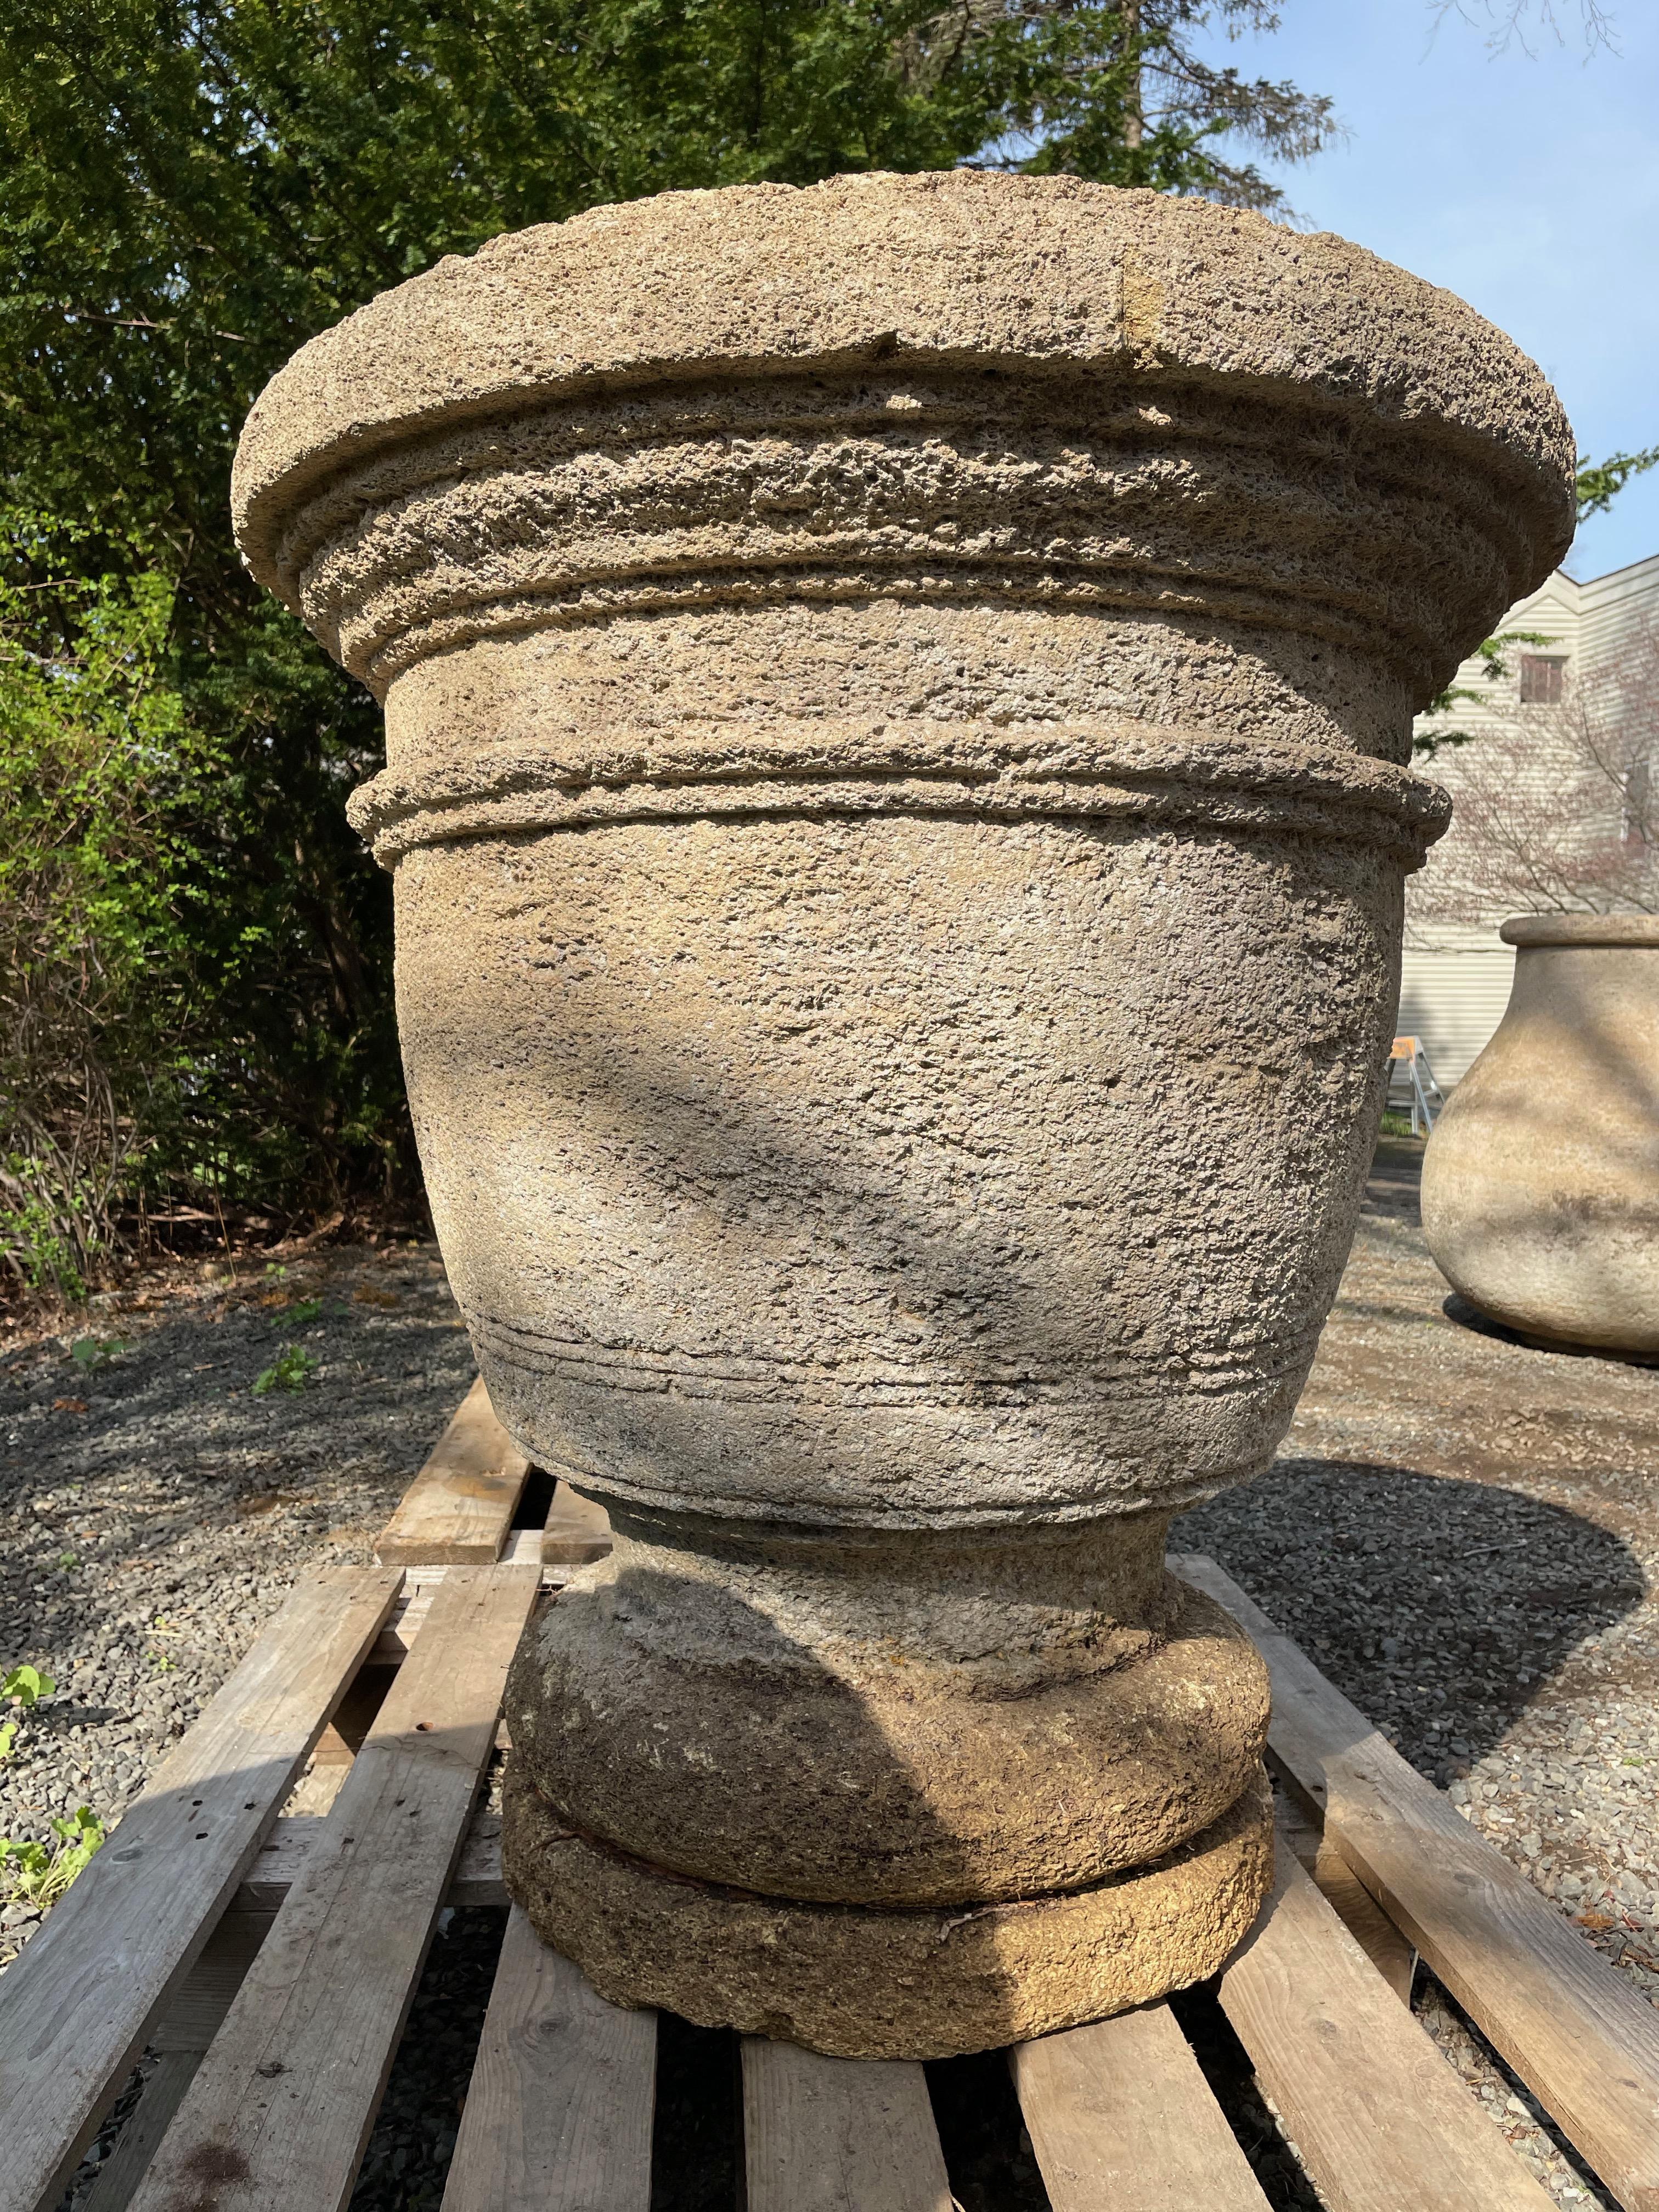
(959, 269)
(1529, 932)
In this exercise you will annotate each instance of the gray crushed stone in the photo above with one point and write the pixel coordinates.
(154, 1513)
(1463, 1532)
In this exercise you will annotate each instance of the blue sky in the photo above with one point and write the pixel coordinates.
(1528, 185)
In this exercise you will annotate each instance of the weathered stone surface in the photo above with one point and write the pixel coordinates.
(896, 698)
(838, 1710)
(1540, 1183)
(890, 1985)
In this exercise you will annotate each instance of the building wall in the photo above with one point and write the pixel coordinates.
(1452, 996)
(1455, 980)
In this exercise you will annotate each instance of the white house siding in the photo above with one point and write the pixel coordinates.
(1452, 997)
(1456, 983)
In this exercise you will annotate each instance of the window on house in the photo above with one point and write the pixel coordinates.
(1540, 679)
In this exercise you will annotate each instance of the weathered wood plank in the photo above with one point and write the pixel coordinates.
(477, 1879)
(1379, 2119)
(458, 1509)
(1572, 2028)
(1393, 1955)
(478, 1876)
(190, 2018)
(1120, 2114)
(577, 1529)
(281, 2107)
(558, 2115)
(74, 2008)
(838, 2134)
(397, 1639)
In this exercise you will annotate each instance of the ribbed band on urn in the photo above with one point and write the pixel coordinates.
(896, 702)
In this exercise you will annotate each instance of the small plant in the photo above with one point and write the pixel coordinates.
(24, 1687)
(68, 1559)
(32, 1230)
(306, 1310)
(91, 1352)
(36, 1873)
(163, 1661)
(291, 1369)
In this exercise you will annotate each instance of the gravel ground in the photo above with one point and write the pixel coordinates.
(153, 1512)
(1461, 1529)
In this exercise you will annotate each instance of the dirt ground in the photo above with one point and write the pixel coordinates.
(156, 1504)
(1462, 1528)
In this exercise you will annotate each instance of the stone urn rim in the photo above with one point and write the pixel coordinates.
(949, 271)
(1534, 931)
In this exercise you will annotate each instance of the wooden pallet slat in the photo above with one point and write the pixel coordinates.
(577, 1529)
(1574, 2030)
(74, 2008)
(1379, 2117)
(300, 2029)
(838, 2134)
(193, 2015)
(477, 1879)
(1393, 1955)
(1120, 2114)
(521, 1547)
(559, 2113)
(280, 2111)
(458, 1509)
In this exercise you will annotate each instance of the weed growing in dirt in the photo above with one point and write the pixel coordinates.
(91, 1352)
(306, 1310)
(24, 1687)
(36, 1873)
(291, 1369)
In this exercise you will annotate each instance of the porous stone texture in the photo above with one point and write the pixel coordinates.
(1540, 1183)
(896, 701)
(887, 1679)
(859, 1983)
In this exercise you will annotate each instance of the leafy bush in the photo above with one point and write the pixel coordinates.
(196, 1011)
(101, 785)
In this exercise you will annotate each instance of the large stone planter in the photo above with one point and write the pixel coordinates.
(1540, 1183)
(895, 698)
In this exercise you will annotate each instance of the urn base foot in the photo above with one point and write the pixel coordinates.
(857, 1982)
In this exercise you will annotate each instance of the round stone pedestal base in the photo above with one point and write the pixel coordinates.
(858, 1983)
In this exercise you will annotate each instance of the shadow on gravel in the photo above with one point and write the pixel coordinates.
(1468, 1316)
(987, 2152)
(408, 2153)
(1392, 1187)
(1442, 1608)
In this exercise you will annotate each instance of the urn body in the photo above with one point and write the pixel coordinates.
(1541, 1183)
(897, 698)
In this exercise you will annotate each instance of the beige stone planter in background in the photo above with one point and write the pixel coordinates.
(895, 698)
(1540, 1183)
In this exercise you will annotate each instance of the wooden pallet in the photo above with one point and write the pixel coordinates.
(270, 1961)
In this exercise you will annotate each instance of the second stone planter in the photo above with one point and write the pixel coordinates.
(896, 703)
(1540, 1183)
